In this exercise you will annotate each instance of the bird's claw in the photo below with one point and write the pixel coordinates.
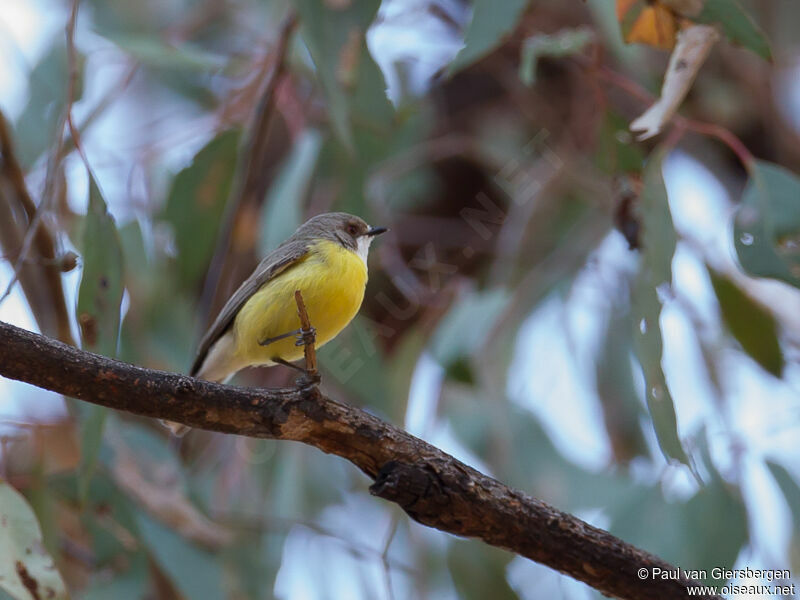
(307, 380)
(306, 336)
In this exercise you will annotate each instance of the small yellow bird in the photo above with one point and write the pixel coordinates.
(326, 259)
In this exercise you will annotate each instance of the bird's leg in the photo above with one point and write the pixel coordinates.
(286, 363)
(283, 336)
(306, 336)
(307, 378)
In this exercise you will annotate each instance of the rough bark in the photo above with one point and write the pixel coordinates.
(432, 487)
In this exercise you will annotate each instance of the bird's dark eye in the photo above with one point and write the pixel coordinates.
(352, 229)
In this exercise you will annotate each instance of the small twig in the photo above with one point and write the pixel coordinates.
(41, 286)
(72, 68)
(33, 227)
(115, 91)
(308, 335)
(725, 136)
(635, 90)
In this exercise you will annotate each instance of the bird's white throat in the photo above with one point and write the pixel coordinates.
(362, 247)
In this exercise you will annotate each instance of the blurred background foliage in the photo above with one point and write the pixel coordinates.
(610, 325)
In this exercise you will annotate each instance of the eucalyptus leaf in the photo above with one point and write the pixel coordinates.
(616, 388)
(749, 322)
(27, 571)
(36, 128)
(790, 489)
(196, 204)
(737, 25)
(658, 241)
(491, 22)
(283, 211)
(617, 151)
(195, 572)
(335, 36)
(479, 571)
(99, 300)
(563, 43)
(101, 287)
(92, 423)
(129, 583)
(155, 53)
(707, 531)
(767, 225)
(467, 325)
(353, 360)
(791, 493)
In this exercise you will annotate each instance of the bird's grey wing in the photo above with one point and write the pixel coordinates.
(277, 261)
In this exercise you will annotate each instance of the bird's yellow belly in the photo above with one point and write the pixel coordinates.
(332, 280)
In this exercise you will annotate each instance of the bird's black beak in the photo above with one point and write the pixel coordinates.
(376, 230)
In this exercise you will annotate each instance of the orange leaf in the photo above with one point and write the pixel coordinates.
(647, 22)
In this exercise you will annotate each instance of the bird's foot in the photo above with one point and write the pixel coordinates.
(307, 378)
(306, 336)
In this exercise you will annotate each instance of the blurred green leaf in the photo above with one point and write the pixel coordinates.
(35, 129)
(134, 17)
(255, 562)
(491, 22)
(767, 225)
(562, 43)
(43, 502)
(92, 423)
(27, 571)
(750, 323)
(716, 523)
(283, 211)
(622, 410)
(707, 531)
(133, 247)
(195, 572)
(791, 493)
(196, 204)
(789, 488)
(617, 153)
(402, 362)
(648, 349)
(139, 271)
(129, 583)
(467, 325)
(349, 174)
(353, 83)
(496, 430)
(655, 270)
(479, 571)
(354, 361)
(300, 483)
(150, 444)
(736, 24)
(155, 53)
(101, 287)
(99, 299)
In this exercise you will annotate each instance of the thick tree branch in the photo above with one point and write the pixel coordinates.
(431, 486)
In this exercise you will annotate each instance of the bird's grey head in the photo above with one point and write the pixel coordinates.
(348, 230)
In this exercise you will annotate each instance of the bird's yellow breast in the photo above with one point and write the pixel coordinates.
(332, 280)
